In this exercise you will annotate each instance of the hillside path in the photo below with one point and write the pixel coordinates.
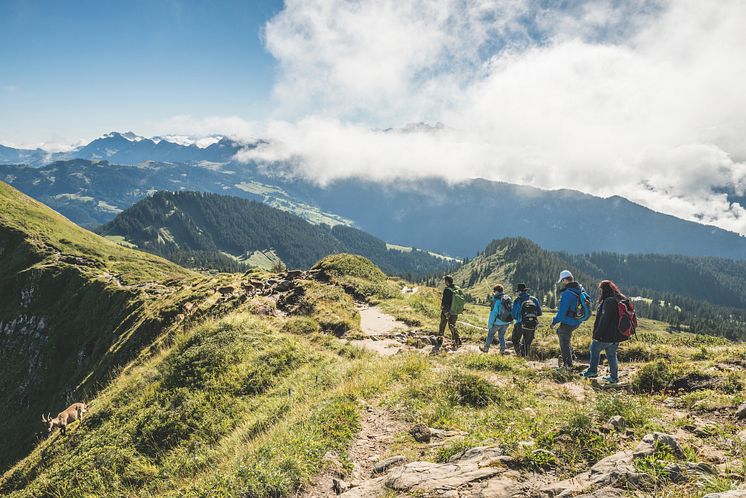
(377, 431)
(379, 329)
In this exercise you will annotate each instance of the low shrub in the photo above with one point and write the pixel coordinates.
(653, 377)
(468, 389)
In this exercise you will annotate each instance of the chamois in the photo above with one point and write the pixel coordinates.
(71, 414)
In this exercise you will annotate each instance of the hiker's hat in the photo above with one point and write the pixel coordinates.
(521, 288)
(563, 275)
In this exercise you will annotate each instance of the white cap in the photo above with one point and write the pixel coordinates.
(564, 274)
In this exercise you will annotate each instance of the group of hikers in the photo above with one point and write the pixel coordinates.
(615, 321)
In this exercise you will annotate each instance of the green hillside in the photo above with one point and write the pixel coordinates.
(268, 402)
(75, 307)
(306, 383)
(228, 233)
(704, 295)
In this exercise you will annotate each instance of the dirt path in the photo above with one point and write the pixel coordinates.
(378, 429)
(380, 328)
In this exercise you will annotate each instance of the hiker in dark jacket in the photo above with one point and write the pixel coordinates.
(569, 298)
(520, 332)
(446, 317)
(605, 332)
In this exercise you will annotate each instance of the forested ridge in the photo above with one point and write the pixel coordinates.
(701, 294)
(199, 229)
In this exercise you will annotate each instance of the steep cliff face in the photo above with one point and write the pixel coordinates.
(72, 311)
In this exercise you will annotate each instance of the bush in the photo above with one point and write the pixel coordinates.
(635, 411)
(491, 362)
(468, 389)
(653, 377)
(301, 325)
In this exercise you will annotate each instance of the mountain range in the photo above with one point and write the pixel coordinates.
(93, 183)
(226, 233)
(129, 148)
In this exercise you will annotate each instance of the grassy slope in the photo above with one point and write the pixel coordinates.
(249, 405)
(75, 307)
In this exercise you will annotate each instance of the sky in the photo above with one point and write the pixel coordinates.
(76, 70)
(639, 98)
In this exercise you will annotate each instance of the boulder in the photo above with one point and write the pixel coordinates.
(649, 443)
(339, 486)
(735, 493)
(741, 411)
(421, 433)
(694, 381)
(618, 423)
(386, 464)
(434, 479)
(284, 286)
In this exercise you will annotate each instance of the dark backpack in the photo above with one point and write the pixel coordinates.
(506, 312)
(627, 325)
(529, 315)
(582, 311)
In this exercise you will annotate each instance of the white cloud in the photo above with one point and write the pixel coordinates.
(638, 98)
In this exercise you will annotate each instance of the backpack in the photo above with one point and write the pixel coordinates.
(506, 312)
(582, 311)
(457, 301)
(529, 315)
(627, 325)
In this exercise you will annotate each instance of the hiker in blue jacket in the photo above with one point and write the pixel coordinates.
(496, 321)
(566, 315)
(519, 331)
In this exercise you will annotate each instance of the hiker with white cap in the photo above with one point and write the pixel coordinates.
(574, 308)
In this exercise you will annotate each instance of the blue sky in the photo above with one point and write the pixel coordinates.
(72, 70)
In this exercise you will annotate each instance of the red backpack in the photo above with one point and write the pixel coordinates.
(627, 325)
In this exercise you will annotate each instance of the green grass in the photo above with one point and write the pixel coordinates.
(173, 423)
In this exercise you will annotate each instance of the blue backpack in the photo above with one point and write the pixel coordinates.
(582, 311)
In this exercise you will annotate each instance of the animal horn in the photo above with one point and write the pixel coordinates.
(45, 420)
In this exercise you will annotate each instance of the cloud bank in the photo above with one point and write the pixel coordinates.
(642, 99)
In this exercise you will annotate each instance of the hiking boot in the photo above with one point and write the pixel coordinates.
(589, 375)
(611, 380)
(483, 349)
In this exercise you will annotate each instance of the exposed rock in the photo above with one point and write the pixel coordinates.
(648, 445)
(701, 468)
(741, 411)
(735, 493)
(604, 493)
(694, 381)
(615, 470)
(618, 423)
(339, 486)
(386, 464)
(294, 274)
(226, 290)
(284, 286)
(434, 479)
(674, 472)
(421, 433)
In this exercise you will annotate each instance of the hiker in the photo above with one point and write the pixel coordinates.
(609, 330)
(449, 314)
(501, 316)
(574, 308)
(526, 311)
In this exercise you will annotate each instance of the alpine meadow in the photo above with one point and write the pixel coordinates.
(373, 249)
